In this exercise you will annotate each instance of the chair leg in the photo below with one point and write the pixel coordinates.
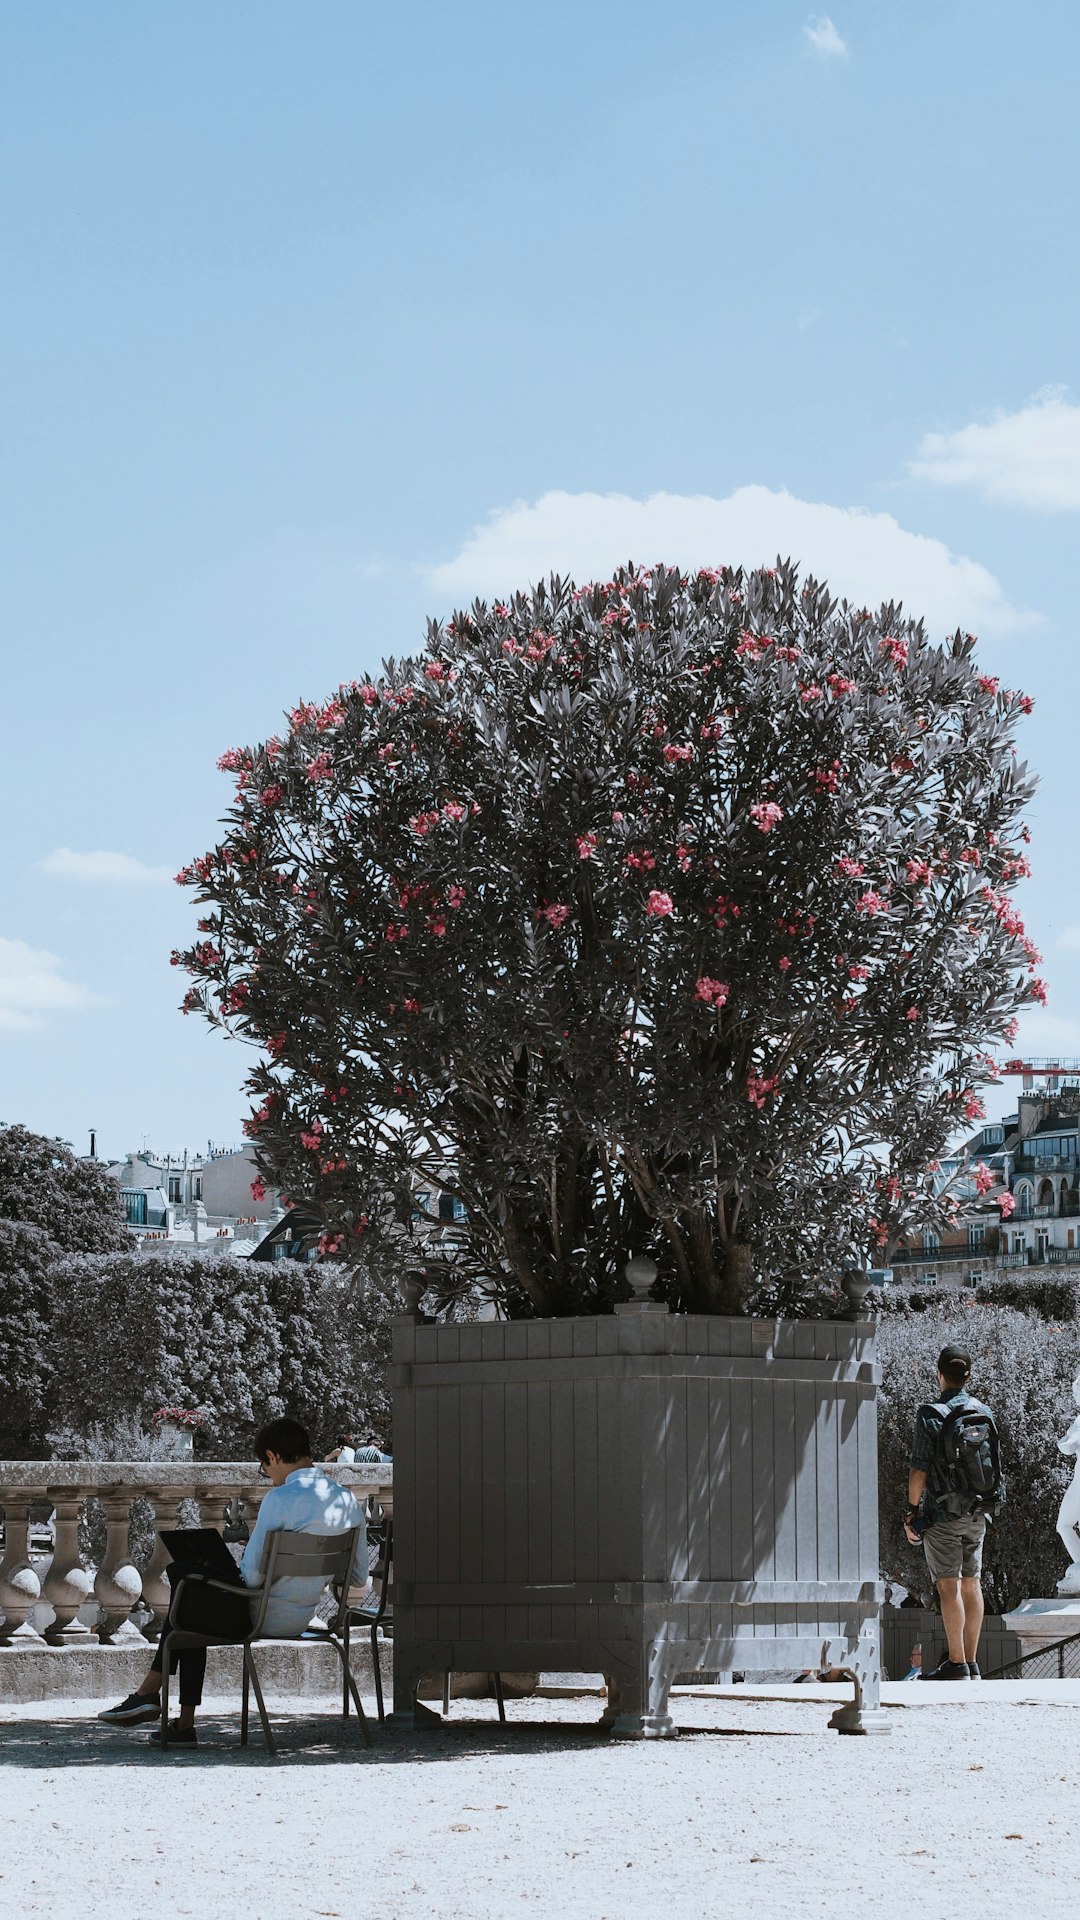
(345, 1676)
(497, 1678)
(446, 1692)
(245, 1695)
(165, 1701)
(376, 1668)
(350, 1686)
(249, 1661)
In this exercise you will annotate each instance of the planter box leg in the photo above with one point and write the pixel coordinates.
(637, 1707)
(410, 1713)
(866, 1714)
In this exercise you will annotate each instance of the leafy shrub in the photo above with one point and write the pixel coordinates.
(241, 1341)
(1023, 1368)
(26, 1253)
(1053, 1296)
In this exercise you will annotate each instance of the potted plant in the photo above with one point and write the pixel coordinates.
(177, 1427)
(667, 919)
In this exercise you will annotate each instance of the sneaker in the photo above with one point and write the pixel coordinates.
(973, 1670)
(178, 1736)
(950, 1670)
(133, 1712)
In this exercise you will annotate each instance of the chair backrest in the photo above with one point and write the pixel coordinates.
(328, 1557)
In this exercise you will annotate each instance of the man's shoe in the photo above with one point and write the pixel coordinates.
(178, 1736)
(950, 1670)
(973, 1670)
(132, 1712)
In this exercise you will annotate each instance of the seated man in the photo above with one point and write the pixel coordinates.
(302, 1499)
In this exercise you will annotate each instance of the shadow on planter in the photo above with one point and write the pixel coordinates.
(639, 1495)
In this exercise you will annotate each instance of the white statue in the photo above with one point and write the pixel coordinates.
(1068, 1520)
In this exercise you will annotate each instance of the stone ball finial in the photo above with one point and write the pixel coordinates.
(641, 1272)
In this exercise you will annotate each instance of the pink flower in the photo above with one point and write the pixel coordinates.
(838, 685)
(972, 1107)
(413, 1006)
(311, 1140)
(258, 1190)
(321, 767)
(683, 856)
(586, 846)
(851, 869)
(1038, 988)
(810, 694)
(421, 822)
(871, 903)
(618, 818)
(301, 715)
(984, 1179)
(674, 752)
(270, 796)
(894, 650)
(988, 683)
(912, 1013)
(368, 695)
(437, 926)
(435, 670)
(455, 896)
(659, 904)
(1007, 1204)
(453, 810)
(765, 815)
(918, 872)
(642, 860)
(784, 962)
(713, 993)
(758, 1090)
(234, 760)
(556, 914)
(858, 973)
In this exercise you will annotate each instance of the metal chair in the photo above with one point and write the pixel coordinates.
(377, 1609)
(329, 1557)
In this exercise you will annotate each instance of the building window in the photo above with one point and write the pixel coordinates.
(174, 1189)
(134, 1208)
(198, 1186)
(976, 1236)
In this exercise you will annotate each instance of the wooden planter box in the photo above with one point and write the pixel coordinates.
(637, 1495)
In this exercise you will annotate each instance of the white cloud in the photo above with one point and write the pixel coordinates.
(108, 868)
(824, 39)
(32, 985)
(1030, 458)
(865, 557)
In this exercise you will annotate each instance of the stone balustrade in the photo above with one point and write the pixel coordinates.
(117, 1585)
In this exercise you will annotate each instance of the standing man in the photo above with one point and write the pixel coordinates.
(954, 1485)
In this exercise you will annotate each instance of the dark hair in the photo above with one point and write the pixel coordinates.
(285, 1437)
(954, 1366)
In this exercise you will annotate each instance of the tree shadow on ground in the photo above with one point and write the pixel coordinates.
(306, 1740)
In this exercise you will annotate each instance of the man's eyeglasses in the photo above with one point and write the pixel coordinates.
(264, 1471)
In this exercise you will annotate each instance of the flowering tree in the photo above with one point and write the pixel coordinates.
(666, 915)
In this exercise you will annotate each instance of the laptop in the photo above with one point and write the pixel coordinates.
(202, 1547)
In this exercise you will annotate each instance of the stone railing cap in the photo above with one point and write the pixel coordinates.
(91, 1474)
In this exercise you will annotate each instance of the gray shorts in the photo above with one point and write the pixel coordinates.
(954, 1546)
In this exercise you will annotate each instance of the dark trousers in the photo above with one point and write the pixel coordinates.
(217, 1615)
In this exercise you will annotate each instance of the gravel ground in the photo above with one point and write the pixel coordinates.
(968, 1806)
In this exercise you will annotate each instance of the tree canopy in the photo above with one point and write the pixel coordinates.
(666, 915)
(44, 1185)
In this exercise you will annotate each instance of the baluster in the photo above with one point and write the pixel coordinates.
(67, 1584)
(156, 1590)
(20, 1588)
(213, 1503)
(118, 1584)
(253, 1496)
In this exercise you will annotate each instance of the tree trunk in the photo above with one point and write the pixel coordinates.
(736, 1277)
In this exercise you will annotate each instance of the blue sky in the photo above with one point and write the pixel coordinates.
(317, 318)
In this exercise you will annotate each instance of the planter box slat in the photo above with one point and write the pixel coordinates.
(636, 1494)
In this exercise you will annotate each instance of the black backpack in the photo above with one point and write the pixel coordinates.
(966, 1476)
